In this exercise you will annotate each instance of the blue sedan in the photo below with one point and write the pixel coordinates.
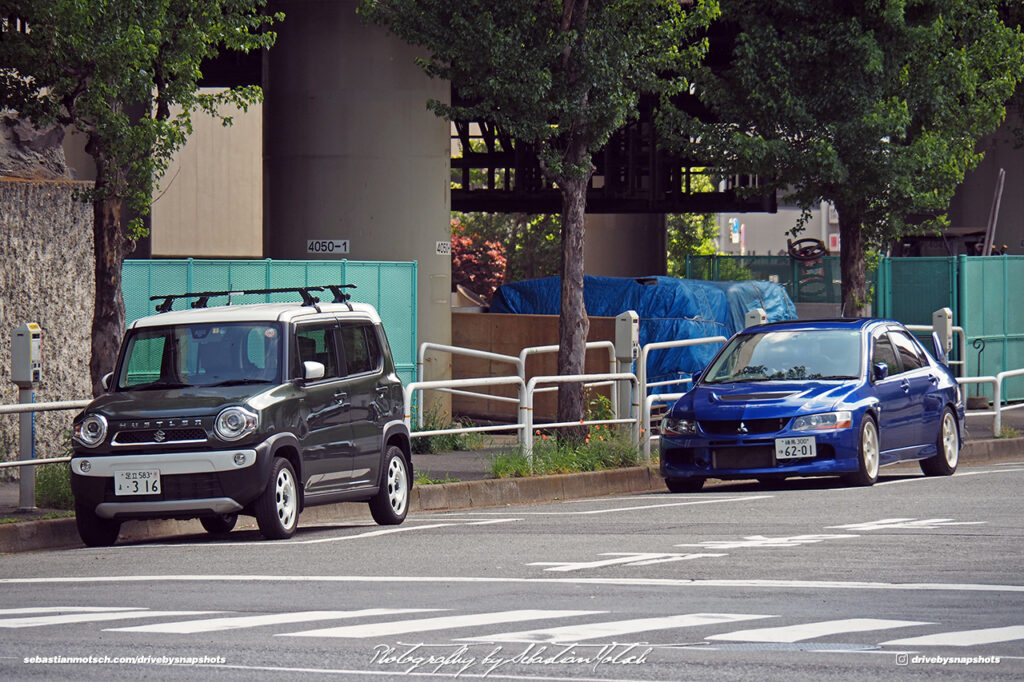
(815, 398)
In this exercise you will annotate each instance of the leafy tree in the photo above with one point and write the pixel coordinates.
(125, 73)
(875, 105)
(563, 75)
(477, 262)
(531, 241)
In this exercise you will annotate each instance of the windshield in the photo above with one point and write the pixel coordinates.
(788, 355)
(201, 355)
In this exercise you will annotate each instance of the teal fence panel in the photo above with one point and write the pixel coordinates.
(817, 281)
(389, 286)
(911, 289)
(993, 318)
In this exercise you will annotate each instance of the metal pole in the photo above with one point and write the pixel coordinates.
(26, 441)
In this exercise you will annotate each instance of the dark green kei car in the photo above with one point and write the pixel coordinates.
(260, 409)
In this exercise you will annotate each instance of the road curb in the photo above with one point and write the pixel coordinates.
(28, 536)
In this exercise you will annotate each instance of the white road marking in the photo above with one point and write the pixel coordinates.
(579, 633)
(964, 637)
(762, 541)
(623, 558)
(798, 633)
(284, 543)
(235, 622)
(637, 507)
(633, 582)
(402, 627)
(39, 621)
(886, 524)
(68, 609)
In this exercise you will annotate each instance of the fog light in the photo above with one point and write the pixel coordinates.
(84, 466)
(240, 458)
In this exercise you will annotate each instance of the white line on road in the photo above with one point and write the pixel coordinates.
(964, 637)
(190, 627)
(402, 627)
(636, 508)
(482, 580)
(579, 633)
(67, 609)
(799, 633)
(39, 621)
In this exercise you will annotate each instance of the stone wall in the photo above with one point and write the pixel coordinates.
(46, 249)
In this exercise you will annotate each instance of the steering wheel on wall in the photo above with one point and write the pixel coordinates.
(806, 249)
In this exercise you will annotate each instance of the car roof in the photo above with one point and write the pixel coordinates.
(257, 312)
(839, 323)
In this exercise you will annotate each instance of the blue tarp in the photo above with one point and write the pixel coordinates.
(669, 309)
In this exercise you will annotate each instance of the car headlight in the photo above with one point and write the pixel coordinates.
(823, 422)
(235, 422)
(91, 431)
(678, 427)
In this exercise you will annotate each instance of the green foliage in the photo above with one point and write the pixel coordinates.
(689, 234)
(433, 420)
(126, 74)
(53, 486)
(424, 479)
(532, 242)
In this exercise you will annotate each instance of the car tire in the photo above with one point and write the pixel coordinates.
(684, 485)
(944, 462)
(221, 524)
(868, 454)
(390, 505)
(277, 507)
(95, 531)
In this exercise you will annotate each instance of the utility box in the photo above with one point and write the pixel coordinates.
(755, 317)
(627, 336)
(942, 324)
(26, 359)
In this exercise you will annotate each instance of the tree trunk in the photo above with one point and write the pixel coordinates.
(573, 323)
(851, 262)
(108, 314)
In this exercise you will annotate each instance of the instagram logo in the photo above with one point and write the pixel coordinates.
(902, 659)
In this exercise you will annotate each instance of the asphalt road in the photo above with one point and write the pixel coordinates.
(915, 578)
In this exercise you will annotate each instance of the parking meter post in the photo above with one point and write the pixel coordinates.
(26, 443)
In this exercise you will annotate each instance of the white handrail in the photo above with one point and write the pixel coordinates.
(455, 350)
(645, 422)
(44, 407)
(641, 366)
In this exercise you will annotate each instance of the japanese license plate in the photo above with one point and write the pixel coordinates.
(794, 448)
(137, 482)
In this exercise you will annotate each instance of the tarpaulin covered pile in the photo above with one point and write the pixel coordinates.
(669, 309)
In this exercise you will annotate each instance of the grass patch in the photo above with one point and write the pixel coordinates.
(53, 486)
(424, 479)
(1008, 432)
(39, 517)
(433, 420)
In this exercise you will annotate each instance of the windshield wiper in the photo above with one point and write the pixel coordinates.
(160, 384)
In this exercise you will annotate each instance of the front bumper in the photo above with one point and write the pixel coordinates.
(744, 457)
(192, 483)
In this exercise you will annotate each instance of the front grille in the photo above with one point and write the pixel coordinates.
(752, 457)
(159, 436)
(742, 426)
(175, 487)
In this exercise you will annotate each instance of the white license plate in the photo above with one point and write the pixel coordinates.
(145, 482)
(795, 448)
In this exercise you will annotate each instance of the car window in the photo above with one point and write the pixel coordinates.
(882, 352)
(315, 343)
(779, 355)
(362, 352)
(908, 351)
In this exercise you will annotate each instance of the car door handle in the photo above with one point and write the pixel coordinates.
(905, 385)
(341, 398)
(934, 379)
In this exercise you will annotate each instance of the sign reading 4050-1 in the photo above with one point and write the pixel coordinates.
(327, 246)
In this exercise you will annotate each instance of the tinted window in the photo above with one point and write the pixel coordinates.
(883, 352)
(315, 343)
(362, 352)
(908, 351)
(789, 355)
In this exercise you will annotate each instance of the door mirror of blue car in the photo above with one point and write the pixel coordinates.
(937, 350)
(880, 371)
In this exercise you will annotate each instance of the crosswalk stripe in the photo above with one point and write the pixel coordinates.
(442, 623)
(579, 633)
(67, 609)
(799, 633)
(235, 622)
(964, 637)
(38, 621)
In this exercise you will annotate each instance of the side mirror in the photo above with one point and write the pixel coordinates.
(938, 350)
(880, 371)
(106, 380)
(312, 370)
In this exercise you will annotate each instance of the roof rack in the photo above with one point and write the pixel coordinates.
(203, 297)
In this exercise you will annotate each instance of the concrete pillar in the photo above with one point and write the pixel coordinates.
(625, 245)
(352, 153)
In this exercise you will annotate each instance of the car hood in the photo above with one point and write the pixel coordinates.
(765, 399)
(179, 402)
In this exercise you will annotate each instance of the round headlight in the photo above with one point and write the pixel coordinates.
(91, 431)
(235, 422)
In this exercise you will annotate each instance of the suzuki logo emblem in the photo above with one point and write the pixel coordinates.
(743, 428)
(159, 436)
